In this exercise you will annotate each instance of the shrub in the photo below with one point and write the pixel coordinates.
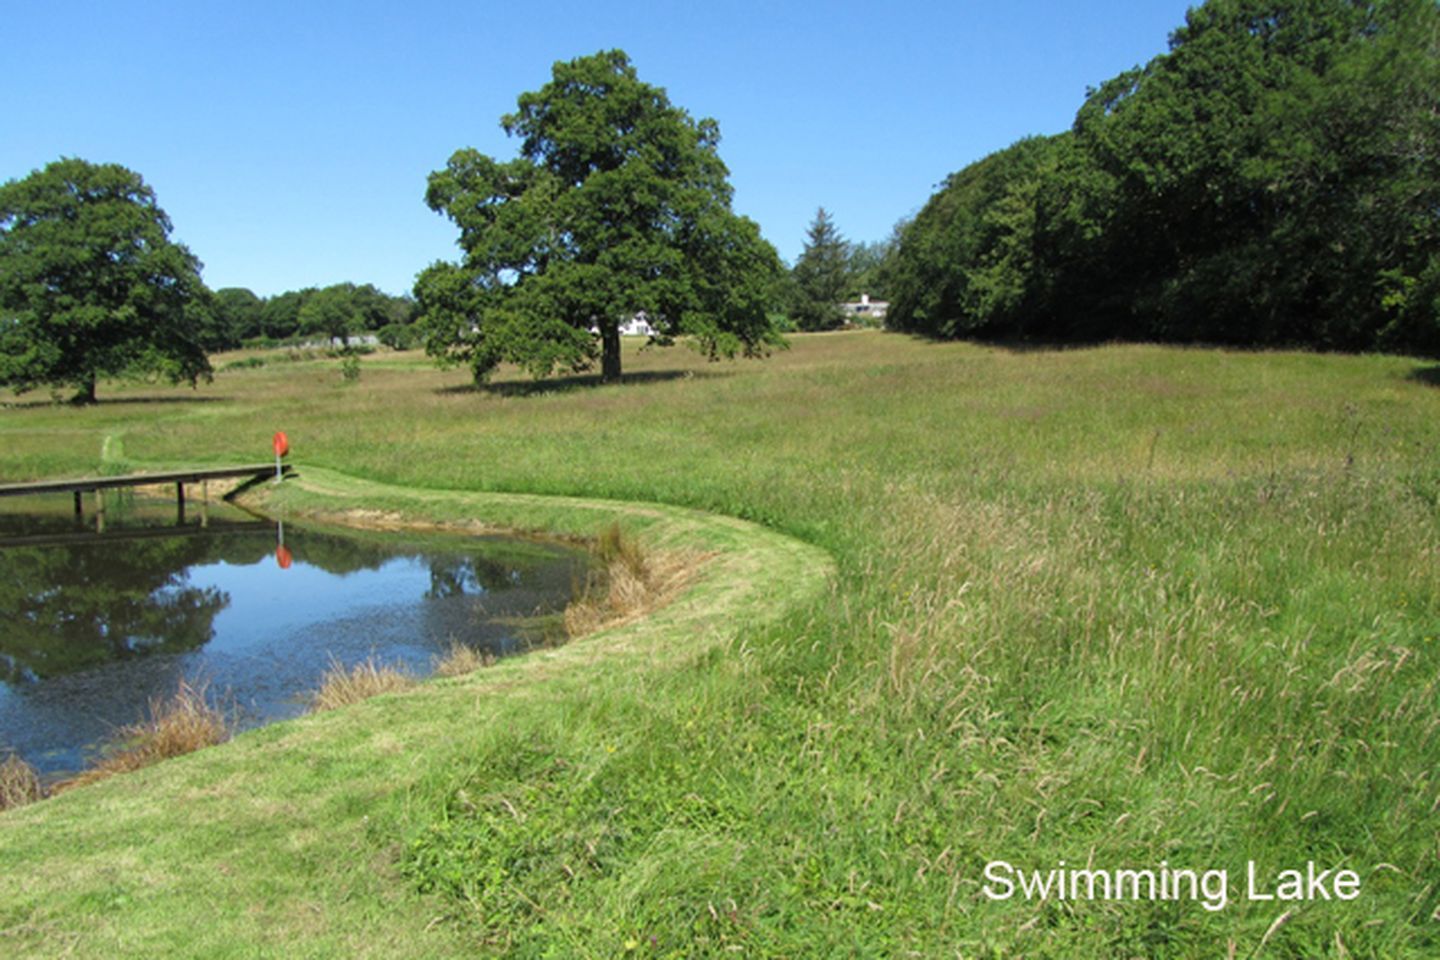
(350, 369)
(245, 363)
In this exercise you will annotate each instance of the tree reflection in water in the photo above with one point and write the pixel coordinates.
(96, 625)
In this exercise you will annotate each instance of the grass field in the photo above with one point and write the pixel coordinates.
(1115, 607)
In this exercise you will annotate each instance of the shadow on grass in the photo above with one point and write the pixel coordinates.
(1011, 344)
(106, 402)
(1048, 346)
(580, 381)
(1085, 341)
(1427, 375)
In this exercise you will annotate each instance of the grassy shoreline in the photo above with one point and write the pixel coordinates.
(752, 576)
(1121, 606)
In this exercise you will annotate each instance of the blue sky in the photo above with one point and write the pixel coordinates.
(289, 142)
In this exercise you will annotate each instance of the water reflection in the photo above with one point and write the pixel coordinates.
(95, 626)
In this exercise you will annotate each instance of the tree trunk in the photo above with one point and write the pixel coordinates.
(610, 351)
(84, 391)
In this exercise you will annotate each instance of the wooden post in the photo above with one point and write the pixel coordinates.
(99, 511)
(79, 505)
(204, 503)
(180, 503)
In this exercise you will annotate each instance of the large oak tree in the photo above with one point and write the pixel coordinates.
(617, 205)
(90, 283)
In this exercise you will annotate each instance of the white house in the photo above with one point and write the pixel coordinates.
(637, 326)
(859, 311)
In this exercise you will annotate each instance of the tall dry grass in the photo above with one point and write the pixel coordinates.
(626, 582)
(341, 687)
(182, 724)
(460, 659)
(19, 784)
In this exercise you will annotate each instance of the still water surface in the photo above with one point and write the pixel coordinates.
(92, 626)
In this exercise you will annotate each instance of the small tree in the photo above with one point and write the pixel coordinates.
(280, 317)
(90, 284)
(821, 276)
(618, 204)
(332, 313)
(238, 317)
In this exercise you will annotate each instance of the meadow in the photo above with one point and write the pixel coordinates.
(1109, 607)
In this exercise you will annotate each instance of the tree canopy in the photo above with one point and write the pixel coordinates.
(336, 312)
(90, 283)
(236, 317)
(1273, 179)
(342, 310)
(617, 205)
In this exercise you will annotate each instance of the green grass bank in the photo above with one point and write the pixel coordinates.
(1113, 607)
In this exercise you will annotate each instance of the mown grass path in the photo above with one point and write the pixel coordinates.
(275, 843)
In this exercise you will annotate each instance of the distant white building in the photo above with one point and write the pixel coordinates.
(336, 343)
(637, 326)
(859, 311)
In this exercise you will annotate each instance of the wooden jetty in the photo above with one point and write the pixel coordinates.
(83, 485)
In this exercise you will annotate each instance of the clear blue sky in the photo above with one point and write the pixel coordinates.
(289, 142)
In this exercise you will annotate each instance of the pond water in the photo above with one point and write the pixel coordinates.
(93, 626)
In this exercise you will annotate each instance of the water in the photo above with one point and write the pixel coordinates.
(94, 626)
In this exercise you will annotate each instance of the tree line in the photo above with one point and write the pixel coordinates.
(238, 317)
(1273, 179)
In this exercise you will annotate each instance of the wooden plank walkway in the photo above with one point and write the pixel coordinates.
(91, 484)
(83, 485)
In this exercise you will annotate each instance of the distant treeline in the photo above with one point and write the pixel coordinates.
(238, 317)
(1272, 180)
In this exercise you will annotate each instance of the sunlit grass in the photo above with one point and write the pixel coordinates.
(1114, 605)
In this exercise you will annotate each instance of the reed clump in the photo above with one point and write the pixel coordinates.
(460, 659)
(341, 687)
(626, 582)
(181, 724)
(19, 784)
